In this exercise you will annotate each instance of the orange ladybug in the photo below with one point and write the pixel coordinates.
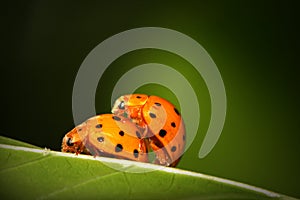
(163, 122)
(107, 135)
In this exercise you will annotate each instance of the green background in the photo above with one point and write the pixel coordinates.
(254, 45)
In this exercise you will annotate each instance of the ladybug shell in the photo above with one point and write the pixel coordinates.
(166, 130)
(112, 136)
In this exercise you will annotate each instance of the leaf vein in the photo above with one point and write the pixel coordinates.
(95, 178)
(27, 163)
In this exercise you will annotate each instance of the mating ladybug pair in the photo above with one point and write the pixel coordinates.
(139, 126)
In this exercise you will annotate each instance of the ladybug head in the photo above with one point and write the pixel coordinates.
(120, 107)
(72, 143)
(129, 105)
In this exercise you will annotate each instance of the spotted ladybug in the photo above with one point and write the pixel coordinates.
(165, 126)
(107, 135)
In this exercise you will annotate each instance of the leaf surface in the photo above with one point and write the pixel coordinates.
(29, 172)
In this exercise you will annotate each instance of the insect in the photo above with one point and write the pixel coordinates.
(107, 135)
(163, 122)
(140, 124)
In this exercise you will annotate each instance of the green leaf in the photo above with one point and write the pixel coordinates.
(5, 140)
(28, 172)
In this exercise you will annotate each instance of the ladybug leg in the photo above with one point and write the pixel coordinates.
(175, 163)
(162, 157)
(85, 151)
(80, 149)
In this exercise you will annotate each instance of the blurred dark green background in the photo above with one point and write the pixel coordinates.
(254, 45)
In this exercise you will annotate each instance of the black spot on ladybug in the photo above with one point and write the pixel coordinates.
(116, 118)
(158, 143)
(99, 126)
(121, 133)
(173, 124)
(173, 149)
(183, 137)
(177, 112)
(136, 153)
(122, 105)
(162, 133)
(100, 139)
(119, 148)
(138, 134)
(69, 142)
(158, 104)
(138, 97)
(152, 115)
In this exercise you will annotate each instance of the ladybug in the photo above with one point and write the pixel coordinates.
(163, 122)
(107, 135)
